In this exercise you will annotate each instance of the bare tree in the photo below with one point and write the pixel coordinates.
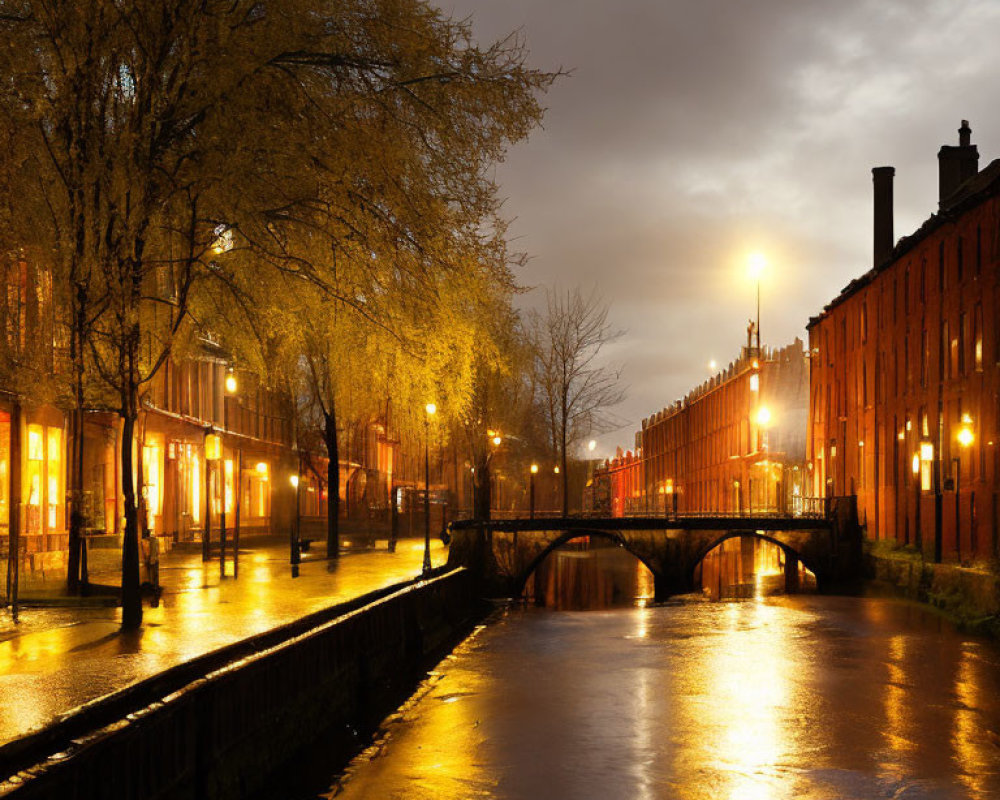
(575, 392)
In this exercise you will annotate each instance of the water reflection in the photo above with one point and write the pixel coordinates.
(799, 697)
(581, 577)
(749, 566)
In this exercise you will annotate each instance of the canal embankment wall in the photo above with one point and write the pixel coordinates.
(968, 595)
(228, 732)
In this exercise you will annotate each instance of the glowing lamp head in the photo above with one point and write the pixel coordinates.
(756, 264)
(261, 468)
(431, 409)
(915, 464)
(555, 470)
(231, 383)
(966, 436)
(294, 480)
(592, 445)
(497, 439)
(763, 415)
(712, 365)
(534, 469)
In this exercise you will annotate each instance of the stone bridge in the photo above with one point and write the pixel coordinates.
(504, 553)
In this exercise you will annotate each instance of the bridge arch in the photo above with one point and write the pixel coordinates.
(766, 536)
(567, 536)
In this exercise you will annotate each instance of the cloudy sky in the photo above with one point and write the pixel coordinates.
(694, 132)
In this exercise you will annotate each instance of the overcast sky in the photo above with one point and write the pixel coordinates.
(694, 132)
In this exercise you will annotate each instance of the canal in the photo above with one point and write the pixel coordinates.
(801, 696)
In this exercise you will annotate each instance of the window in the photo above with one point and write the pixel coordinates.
(44, 480)
(942, 277)
(977, 338)
(963, 337)
(944, 362)
(979, 250)
(925, 357)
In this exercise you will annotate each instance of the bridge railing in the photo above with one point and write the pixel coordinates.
(799, 507)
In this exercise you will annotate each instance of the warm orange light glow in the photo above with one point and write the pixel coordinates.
(763, 415)
(294, 480)
(431, 409)
(213, 447)
(555, 470)
(497, 440)
(756, 264)
(915, 466)
(534, 469)
(966, 437)
(231, 383)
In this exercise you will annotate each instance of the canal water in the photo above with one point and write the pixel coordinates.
(806, 696)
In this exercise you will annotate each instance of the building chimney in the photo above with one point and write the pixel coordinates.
(883, 241)
(956, 164)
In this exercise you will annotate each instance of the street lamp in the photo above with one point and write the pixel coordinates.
(295, 551)
(917, 533)
(965, 438)
(592, 445)
(531, 491)
(431, 410)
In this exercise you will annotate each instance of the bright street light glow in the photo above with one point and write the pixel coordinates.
(763, 416)
(915, 466)
(712, 365)
(534, 469)
(497, 439)
(294, 480)
(756, 264)
(231, 383)
(431, 409)
(966, 437)
(592, 445)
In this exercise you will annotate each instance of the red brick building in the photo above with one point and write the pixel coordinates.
(735, 444)
(904, 373)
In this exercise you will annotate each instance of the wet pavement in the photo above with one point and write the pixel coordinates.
(797, 697)
(55, 659)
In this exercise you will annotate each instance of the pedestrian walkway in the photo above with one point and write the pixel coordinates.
(57, 658)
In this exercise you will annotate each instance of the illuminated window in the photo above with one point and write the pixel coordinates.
(54, 473)
(152, 475)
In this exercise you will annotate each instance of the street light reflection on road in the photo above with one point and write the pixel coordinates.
(61, 658)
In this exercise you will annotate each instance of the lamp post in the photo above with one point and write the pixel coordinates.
(295, 551)
(531, 491)
(555, 471)
(965, 438)
(431, 410)
(917, 533)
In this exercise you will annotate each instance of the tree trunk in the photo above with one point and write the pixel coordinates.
(14, 509)
(483, 499)
(131, 594)
(563, 472)
(332, 484)
(76, 520)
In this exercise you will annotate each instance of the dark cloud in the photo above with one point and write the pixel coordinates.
(693, 132)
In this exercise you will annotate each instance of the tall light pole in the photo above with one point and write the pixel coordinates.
(431, 410)
(965, 438)
(295, 550)
(531, 491)
(555, 471)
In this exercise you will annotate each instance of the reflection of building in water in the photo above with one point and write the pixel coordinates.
(578, 578)
(748, 566)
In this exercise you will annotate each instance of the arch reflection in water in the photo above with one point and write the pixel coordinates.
(588, 574)
(749, 567)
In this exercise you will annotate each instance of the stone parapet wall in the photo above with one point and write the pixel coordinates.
(971, 596)
(226, 734)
